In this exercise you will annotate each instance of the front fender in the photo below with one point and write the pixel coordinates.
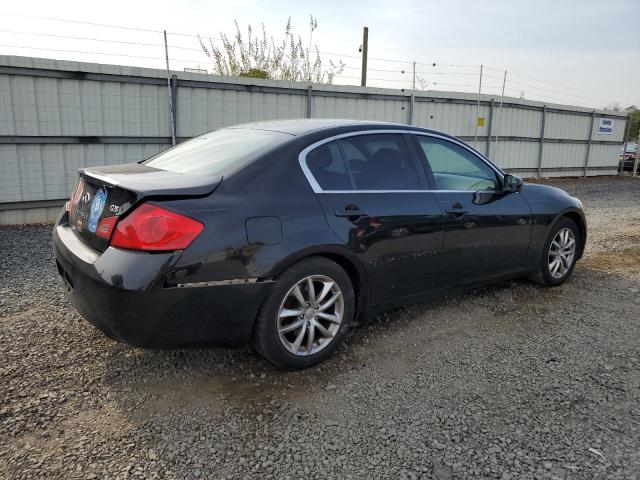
(577, 215)
(548, 204)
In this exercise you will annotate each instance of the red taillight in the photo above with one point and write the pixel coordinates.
(150, 227)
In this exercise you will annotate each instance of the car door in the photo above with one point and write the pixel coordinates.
(375, 199)
(486, 231)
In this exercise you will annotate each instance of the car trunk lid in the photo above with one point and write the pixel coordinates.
(112, 191)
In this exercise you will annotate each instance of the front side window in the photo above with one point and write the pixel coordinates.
(212, 153)
(455, 167)
(327, 167)
(380, 162)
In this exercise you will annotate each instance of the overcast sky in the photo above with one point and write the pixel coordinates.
(588, 50)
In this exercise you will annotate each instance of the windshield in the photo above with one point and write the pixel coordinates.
(212, 153)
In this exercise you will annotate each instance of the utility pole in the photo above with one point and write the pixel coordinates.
(171, 107)
(365, 51)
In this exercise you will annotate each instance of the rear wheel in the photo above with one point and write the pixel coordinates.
(306, 315)
(559, 254)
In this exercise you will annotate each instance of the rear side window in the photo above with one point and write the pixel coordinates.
(327, 167)
(212, 153)
(380, 162)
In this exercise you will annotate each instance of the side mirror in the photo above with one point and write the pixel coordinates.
(511, 183)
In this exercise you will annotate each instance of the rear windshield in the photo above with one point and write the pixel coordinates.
(212, 153)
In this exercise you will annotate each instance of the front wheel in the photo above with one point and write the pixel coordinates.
(307, 314)
(560, 253)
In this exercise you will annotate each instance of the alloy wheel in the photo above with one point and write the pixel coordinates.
(310, 315)
(561, 252)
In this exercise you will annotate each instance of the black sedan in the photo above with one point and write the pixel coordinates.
(284, 234)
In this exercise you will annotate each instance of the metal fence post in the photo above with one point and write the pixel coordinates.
(174, 106)
(475, 136)
(627, 131)
(586, 157)
(635, 162)
(411, 106)
(309, 101)
(541, 149)
(413, 96)
(490, 127)
(170, 89)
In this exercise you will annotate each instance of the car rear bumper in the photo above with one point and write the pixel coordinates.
(123, 293)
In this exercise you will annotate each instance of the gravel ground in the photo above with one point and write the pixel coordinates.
(508, 381)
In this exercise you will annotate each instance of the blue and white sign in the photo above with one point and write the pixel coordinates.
(605, 126)
(96, 209)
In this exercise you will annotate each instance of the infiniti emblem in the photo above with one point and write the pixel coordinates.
(85, 197)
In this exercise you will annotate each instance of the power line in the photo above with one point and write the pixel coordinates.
(372, 69)
(106, 25)
(535, 87)
(539, 97)
(369, 58)
(101, 53)
(560, 84)
(450, 73)
(435, 65)
(93, 39)
(67, 20)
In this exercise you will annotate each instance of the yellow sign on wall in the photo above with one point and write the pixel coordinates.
(480, 122)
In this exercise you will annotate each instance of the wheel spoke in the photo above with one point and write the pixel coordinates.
(312, 290)
(297, 293)
(565, 261)
(329, 302)
(288, 312)
(556, 246)
(324, 331)
(298, 342)
(311, 336)
(292, 326)
(554, 266)
(570, 244)
(326, 288)
(329, 316)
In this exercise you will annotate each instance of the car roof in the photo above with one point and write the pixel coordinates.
(307, 125)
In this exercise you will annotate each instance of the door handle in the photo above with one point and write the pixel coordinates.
(457, 211)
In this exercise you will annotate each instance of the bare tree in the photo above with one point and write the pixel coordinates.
(259, 56)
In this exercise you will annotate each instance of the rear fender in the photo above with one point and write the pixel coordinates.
(343, 257)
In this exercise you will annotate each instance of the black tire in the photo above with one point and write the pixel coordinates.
(543, 276)
(265, 338)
